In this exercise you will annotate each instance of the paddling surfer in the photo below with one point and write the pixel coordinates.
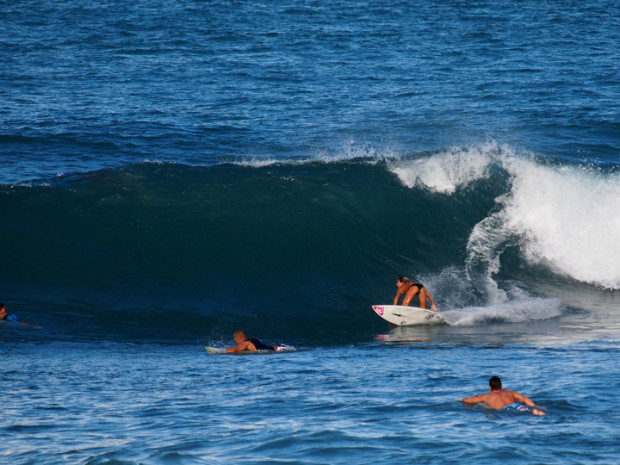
(410, 289)
(10, 317)
(504, 399)
(252, 344)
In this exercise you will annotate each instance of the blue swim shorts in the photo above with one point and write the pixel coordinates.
(12, 318)
(517, 406)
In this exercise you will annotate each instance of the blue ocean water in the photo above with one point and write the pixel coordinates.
(173, 171)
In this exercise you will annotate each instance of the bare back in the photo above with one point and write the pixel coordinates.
(499, 398)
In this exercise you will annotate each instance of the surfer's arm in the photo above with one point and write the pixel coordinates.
(430, 298)
(524, 400)
(474, 399)
(398, 293)
(239, 348)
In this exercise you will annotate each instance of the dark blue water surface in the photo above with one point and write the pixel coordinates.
(102, 404)
(173, 171)
(93, 84)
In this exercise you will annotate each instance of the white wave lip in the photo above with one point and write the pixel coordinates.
(347, 152)
(447, 171)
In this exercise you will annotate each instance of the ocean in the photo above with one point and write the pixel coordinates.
(171, 172)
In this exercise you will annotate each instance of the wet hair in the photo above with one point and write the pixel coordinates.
(495, 383)
(403, 279)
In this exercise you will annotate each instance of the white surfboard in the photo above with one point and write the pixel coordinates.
(214, 350)
(408, 316)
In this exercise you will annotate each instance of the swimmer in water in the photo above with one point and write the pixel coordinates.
(504, 399)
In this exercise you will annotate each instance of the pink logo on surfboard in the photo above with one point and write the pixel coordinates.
(379, 310)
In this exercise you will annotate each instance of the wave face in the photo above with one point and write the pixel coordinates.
(303, 248)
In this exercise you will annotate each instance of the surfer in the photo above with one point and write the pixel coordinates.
(503, 399)
(411, 289)
(10, 317)
(245, 344)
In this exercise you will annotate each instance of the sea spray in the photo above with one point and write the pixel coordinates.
(447, 170)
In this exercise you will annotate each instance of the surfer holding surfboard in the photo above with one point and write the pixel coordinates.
(410, 289)
(404, 315)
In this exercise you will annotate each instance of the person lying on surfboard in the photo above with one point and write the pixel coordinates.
(503, 399)
(410, 289)
(245, 344)
(10, 317)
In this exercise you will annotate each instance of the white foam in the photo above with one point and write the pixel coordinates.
(446, 171)
(569, 220)
(515, 311)
(566, 218)
(258, 162)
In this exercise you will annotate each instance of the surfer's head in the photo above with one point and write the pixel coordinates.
(401, 280)
(495, 383)
(239, 336)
